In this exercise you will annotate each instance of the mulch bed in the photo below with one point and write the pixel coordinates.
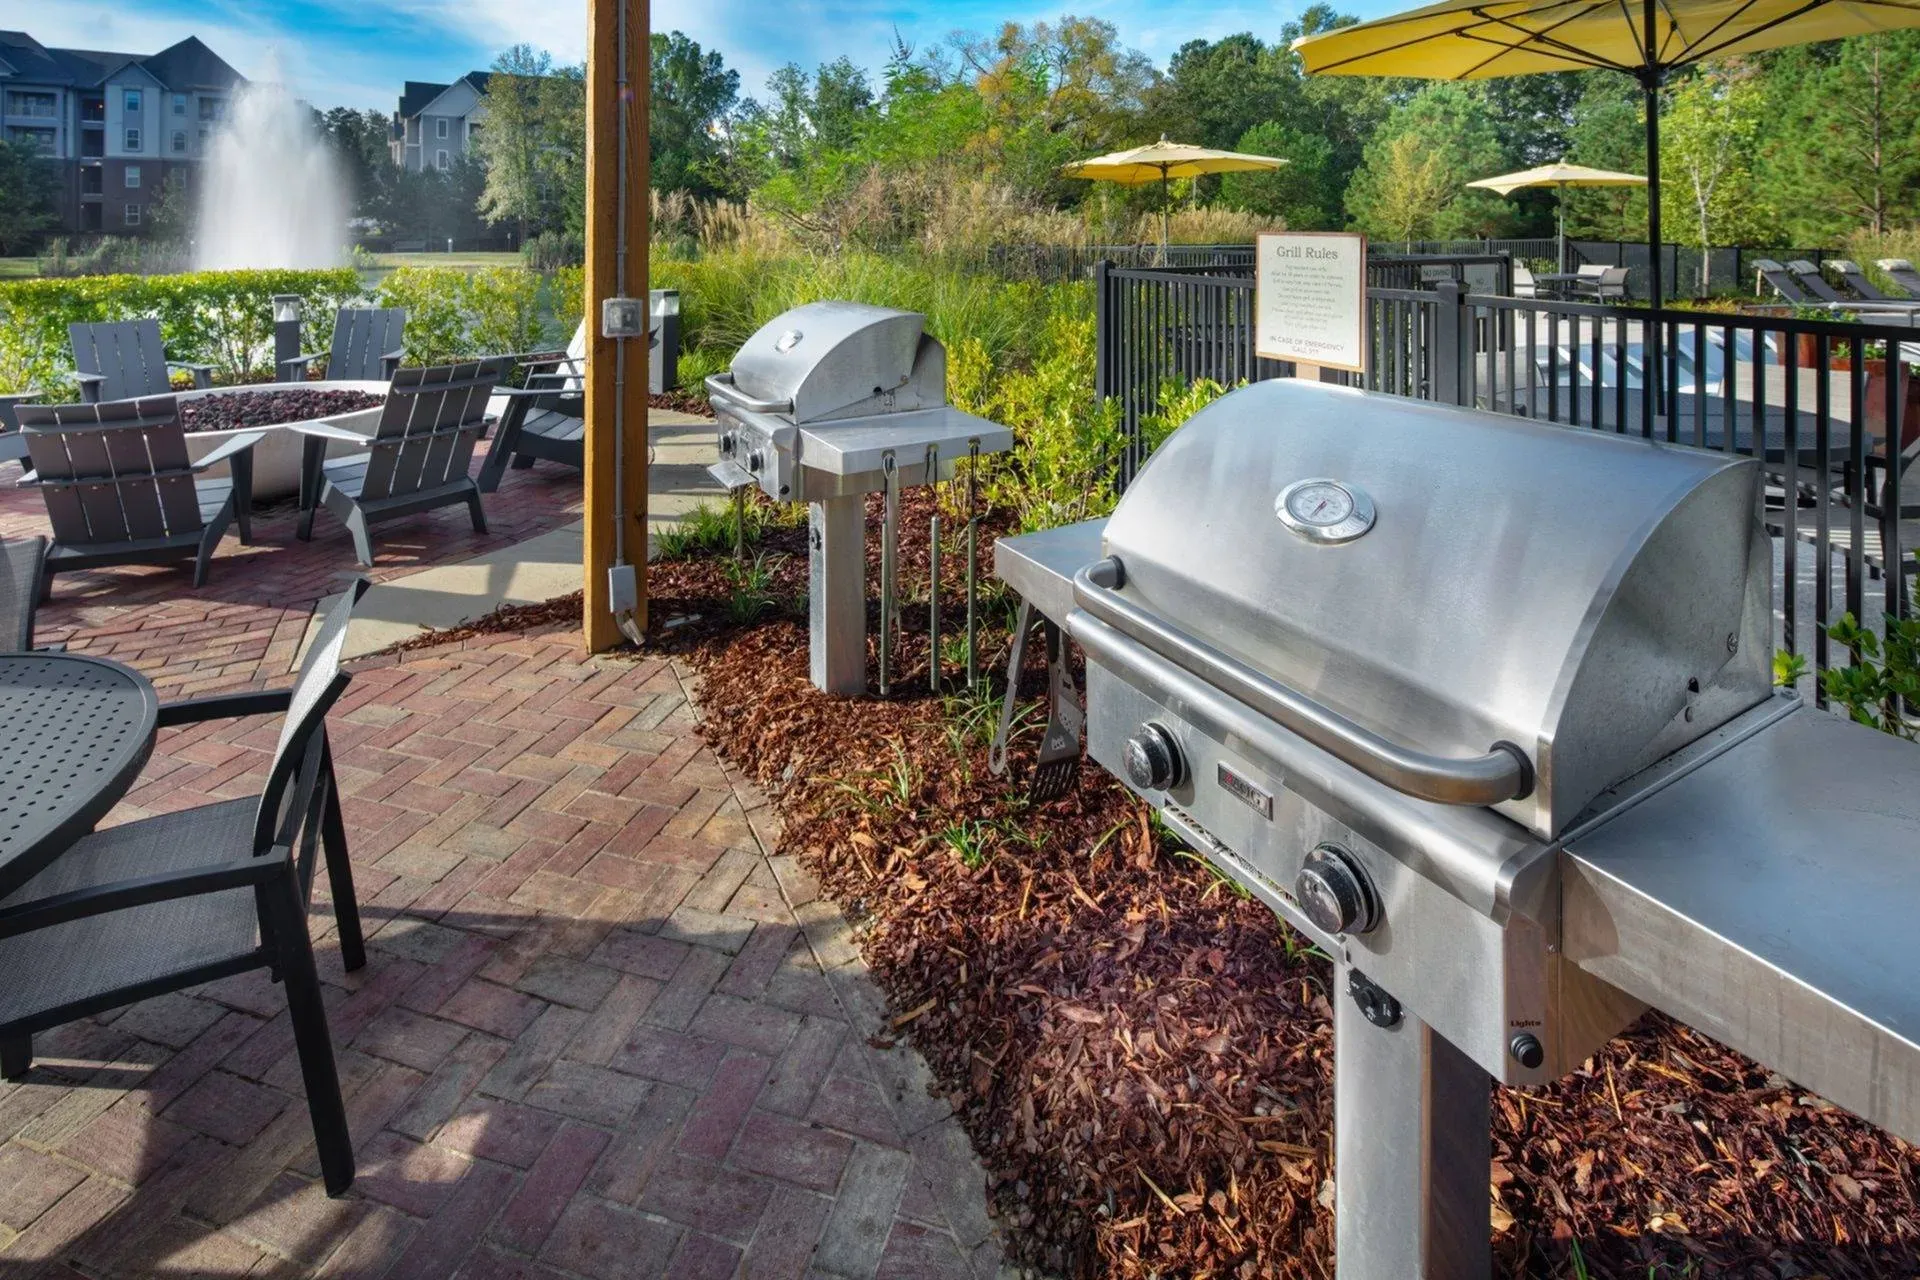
(232, 411)
(1143, 1056)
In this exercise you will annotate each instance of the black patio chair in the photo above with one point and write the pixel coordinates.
(121, 489)
(124, 360)
(368, 345)
(1816, 284)
(22, 561)
(416, 460)
(173, 901)
(1903, 274)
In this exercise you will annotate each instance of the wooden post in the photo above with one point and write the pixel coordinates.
(606, 99)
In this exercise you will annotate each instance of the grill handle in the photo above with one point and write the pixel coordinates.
(1501, 774)
(722, 385)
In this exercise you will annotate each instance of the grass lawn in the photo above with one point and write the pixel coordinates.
(472, 261)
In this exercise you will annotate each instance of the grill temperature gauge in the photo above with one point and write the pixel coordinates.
(1322, 510)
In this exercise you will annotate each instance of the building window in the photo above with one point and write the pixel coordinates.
(133, 176)
(179, 104)
(440, 127)
(41, 105)
(133, 215)
(133, 140)
(133, 102)
(40, 140)
(180, 140)
(203, 137)
(213, 109)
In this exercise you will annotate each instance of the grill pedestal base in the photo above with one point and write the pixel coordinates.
(1413, 1149)
(837, 594)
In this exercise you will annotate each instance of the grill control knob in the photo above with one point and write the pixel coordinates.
(1152, 758)
(1334, 891)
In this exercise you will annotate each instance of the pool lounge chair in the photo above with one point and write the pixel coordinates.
(1783, 282)
(1816, 284)
(1855, 279)
(1903, 274)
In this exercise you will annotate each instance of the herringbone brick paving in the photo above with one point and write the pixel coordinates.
(601, 1032)
(246, 624)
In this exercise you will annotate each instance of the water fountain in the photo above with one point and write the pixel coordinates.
(271, 194)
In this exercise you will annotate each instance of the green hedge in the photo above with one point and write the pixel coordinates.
(453, 312)
(222, 318)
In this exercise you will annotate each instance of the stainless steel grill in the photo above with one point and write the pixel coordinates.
(1422, 679)
(827, 403)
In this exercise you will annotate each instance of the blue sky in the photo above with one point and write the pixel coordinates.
(352, 53)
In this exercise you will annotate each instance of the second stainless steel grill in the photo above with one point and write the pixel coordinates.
(1401, 669)
(827, 403)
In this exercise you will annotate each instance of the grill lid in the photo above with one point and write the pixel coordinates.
(1594, 600)
(836, 359)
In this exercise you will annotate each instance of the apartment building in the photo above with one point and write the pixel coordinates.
(116, 124)
(437, 123)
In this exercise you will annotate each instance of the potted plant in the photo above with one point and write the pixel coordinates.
(1874, 361)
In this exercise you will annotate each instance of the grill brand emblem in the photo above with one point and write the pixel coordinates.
(1255, 798)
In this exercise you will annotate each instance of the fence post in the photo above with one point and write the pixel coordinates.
(1452, 343)
(1102, 330)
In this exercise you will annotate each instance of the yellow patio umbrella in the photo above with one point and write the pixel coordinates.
(1482, 39)
(1163, 161)
(1561, 175)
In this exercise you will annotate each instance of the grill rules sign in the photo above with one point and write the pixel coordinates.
(1310, 298)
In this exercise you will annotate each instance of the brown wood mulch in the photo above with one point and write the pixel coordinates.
(1143, 1057)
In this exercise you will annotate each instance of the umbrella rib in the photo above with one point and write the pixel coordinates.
(1722, 25)
(1543, 36)
(1697, 55)
(1545, 48)
(1382, 23)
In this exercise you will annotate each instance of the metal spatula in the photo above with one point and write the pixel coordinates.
(1059, 761)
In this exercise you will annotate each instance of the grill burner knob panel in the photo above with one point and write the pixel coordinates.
(1152, 759)
(1335, 893)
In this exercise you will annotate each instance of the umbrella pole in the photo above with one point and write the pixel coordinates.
(1653, 393)
(1166, 199)
(1560, 250)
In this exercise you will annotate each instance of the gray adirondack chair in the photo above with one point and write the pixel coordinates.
(368, 345)
(124, 360)
(543, 418)
(21, 562)
(416, 460)
(173, 901)
(120, 488)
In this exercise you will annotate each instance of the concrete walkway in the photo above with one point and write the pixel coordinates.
(539, 569)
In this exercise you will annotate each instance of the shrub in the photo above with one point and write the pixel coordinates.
(567, 299)
(222, 318)
(436, 318)
(503, 310)
(552, 250)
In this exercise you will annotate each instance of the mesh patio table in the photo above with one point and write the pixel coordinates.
(74, 733)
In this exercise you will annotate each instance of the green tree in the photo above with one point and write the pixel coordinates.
(29, 192)
(1708, 136)
(1215, 91)
(1609, 132)
(514, 139)
(1402, 191)
(1848, 140)
(1417, 166)
(1302, 194)
(170, 218)
(691, 93)
(359, 140)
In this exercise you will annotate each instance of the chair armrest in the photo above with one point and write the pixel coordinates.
(224, 706)
(202, 373)
(90, 384)
(28, 478)
(528, 392)
(140, 891)
(294, 368)
(390, 363)
(322, 429)
(230, 446)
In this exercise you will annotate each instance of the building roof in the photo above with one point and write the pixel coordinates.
(184, 66)
(417, 95)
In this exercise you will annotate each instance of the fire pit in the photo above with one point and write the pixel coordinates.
(1483, 708)
(213, 415)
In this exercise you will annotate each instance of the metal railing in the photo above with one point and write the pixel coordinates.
(1795, 393)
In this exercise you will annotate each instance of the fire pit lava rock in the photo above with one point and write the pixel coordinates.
(211, 416)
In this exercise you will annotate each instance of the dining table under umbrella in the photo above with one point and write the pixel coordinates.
(1162, 162)
(1560, 175)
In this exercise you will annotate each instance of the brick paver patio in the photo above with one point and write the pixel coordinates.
(601, 1031)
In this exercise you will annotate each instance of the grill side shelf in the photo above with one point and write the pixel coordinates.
(1767, 898)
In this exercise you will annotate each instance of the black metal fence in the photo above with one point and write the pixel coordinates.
(1816, 401)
